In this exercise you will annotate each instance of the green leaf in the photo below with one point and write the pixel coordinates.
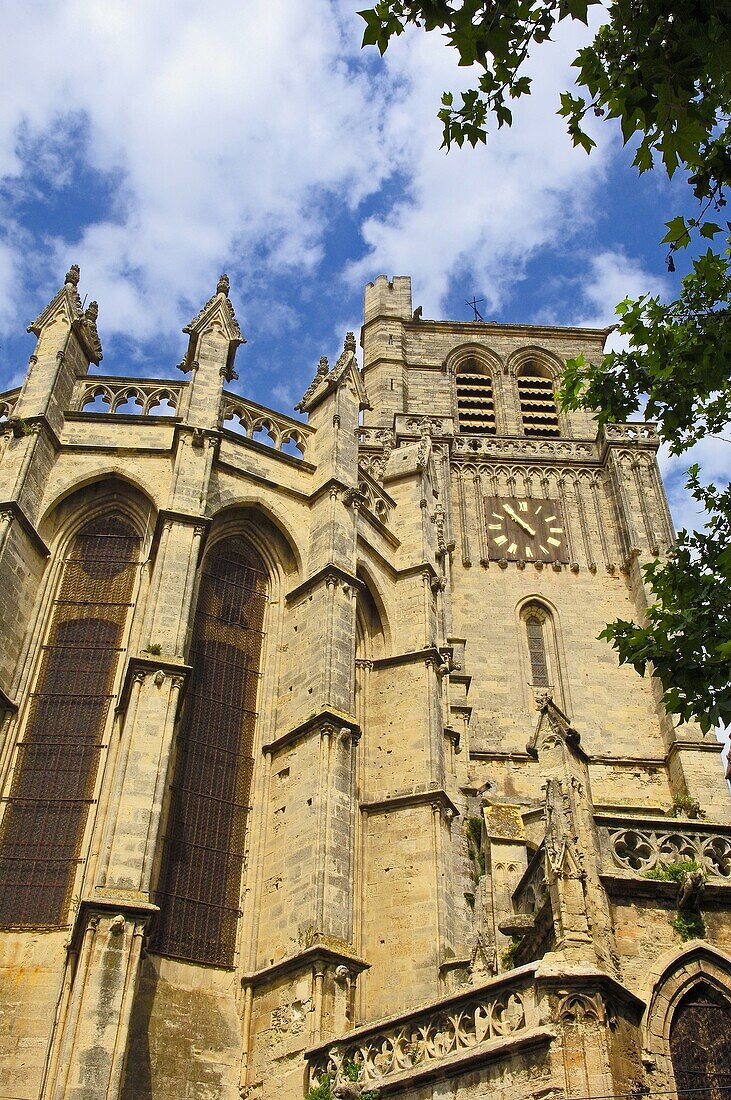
(677, 234)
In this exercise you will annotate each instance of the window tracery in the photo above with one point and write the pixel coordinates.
(204, 845)
(58, 756)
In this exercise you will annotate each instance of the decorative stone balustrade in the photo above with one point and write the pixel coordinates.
(631, 433)
(467, 446)
(373, 438)
(129, 396)
(412, 427)
(639, 846)
(373, 498)
(7, 403)
(275, 430)
(458, 1024)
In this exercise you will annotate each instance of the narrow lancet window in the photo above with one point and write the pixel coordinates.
(537, 403)
(204, 845)
(537, 650)
(58, 754)
(475, 404)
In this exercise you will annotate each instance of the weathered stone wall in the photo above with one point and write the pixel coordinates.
(185, 1034)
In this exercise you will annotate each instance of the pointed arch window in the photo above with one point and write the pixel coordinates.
(475, 401)
(541, 652)
(537, 402)
(58, 755)
(537, 648)
(200, 882)
(700, 1045)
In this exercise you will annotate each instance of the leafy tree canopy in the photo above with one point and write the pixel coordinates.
(661, 68)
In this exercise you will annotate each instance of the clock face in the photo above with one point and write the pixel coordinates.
(525, 528)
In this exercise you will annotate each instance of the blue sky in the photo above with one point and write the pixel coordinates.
(159, 144)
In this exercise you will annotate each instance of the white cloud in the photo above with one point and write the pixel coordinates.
(484, 210)
(230, 134)
(229, 131)
(612, 276)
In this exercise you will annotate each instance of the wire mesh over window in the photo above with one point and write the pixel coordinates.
(537, 403)
(700, 1045)
(58, 754)
(204, 847)
(537, 651)
(475, 400)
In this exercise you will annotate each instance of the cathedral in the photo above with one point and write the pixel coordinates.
(316, 779)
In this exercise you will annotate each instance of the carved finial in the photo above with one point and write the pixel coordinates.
(224, 285)
(349, 342)
(72, 275)
(92, 312)
(323, 367)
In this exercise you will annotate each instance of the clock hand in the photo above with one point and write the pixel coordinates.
(514, 515)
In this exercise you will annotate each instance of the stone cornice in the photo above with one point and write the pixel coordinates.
(224, 463)
(324, 953)
(412, 798)
(19, 426)
(17, 512)
(418, 656)
(486, 329)
(119, 418)
(325, 719)
(141, 666)
(113, 903)
(664, 822)
(185, 519)
(367, 516)
(631, 887)
(692, 746)
(320, 577)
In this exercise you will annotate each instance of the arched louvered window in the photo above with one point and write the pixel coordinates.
(534, 624)
(58, 754)
(204, 844)
(475, 403)
(700, 1045)
(537, 403)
